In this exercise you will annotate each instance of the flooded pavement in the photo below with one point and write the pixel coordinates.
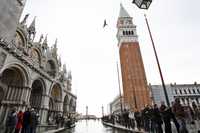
(92, 126)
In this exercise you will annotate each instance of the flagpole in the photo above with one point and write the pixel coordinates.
(161, 75)
(120, 95)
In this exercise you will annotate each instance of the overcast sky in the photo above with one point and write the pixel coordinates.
(91, 51)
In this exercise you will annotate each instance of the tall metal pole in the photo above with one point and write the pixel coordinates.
(120, 95)
(161, 76)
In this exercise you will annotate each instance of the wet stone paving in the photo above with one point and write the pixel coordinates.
(92, 126)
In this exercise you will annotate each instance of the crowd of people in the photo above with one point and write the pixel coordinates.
(158, 119)
(22, 122)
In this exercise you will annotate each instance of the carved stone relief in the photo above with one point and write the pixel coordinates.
(2, 59)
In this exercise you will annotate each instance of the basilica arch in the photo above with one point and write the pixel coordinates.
(38, 89)
(65, 106)
(56, 96)
(14, 89)
(72, 105)
(55, 101)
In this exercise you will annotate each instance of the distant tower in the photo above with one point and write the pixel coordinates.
(135, 89)
(86, 111)
(11, 11)
(102, 110)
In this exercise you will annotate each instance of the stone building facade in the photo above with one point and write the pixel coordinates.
(187, 93)
(135, 88)
(31, 73)
(117, 105)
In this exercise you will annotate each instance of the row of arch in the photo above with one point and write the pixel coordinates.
(128, 32)
(187, 91)
(15, 87)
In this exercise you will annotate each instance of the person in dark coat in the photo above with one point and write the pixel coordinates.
(138, 119)
(179, 112)
(174, 119)
(26, 121)
(126, 118)
(166, 115)
(34, 121)
(11, 121)
(146, 118)
(157, 120)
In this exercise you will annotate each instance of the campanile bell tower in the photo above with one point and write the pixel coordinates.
(135, 88)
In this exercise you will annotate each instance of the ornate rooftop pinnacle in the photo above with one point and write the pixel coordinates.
(32, 26)
(41, 38)
(25, 19)
(54, 50)
(69, 75)
(44, 44)
(32, 30)
(64, 68)
(123, 13)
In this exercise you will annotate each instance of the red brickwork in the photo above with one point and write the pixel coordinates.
(135, 89)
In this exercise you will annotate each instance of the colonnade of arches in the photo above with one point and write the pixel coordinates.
(16, 90)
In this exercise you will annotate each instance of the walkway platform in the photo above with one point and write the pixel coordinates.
(121, 127)
(55, 131)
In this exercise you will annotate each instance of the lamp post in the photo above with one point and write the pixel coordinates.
(142, 4)
(161, 76)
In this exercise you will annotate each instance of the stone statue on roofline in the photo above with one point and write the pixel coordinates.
(25, 19)
(54, 49)
(41, 38)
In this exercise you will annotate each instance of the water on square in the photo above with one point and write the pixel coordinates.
(92, 126)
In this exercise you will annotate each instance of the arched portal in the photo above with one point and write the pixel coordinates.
(65, 105)
(55, 98)
(71, 105)
(36, 94)
(56, 93)
(13, 81)
(13, 89)
(13, 77)
(54, 102)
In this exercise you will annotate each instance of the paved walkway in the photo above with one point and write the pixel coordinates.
(55, 131)
(192, 128)
(121, 127)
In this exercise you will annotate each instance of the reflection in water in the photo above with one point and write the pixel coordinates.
(92, 126)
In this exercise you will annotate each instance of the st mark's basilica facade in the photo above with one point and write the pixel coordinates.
(31, 73)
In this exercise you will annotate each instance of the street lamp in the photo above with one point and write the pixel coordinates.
(142, 4)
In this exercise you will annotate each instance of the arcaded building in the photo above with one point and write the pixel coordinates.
(135, 88)
(31, 73)
(186, 93)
